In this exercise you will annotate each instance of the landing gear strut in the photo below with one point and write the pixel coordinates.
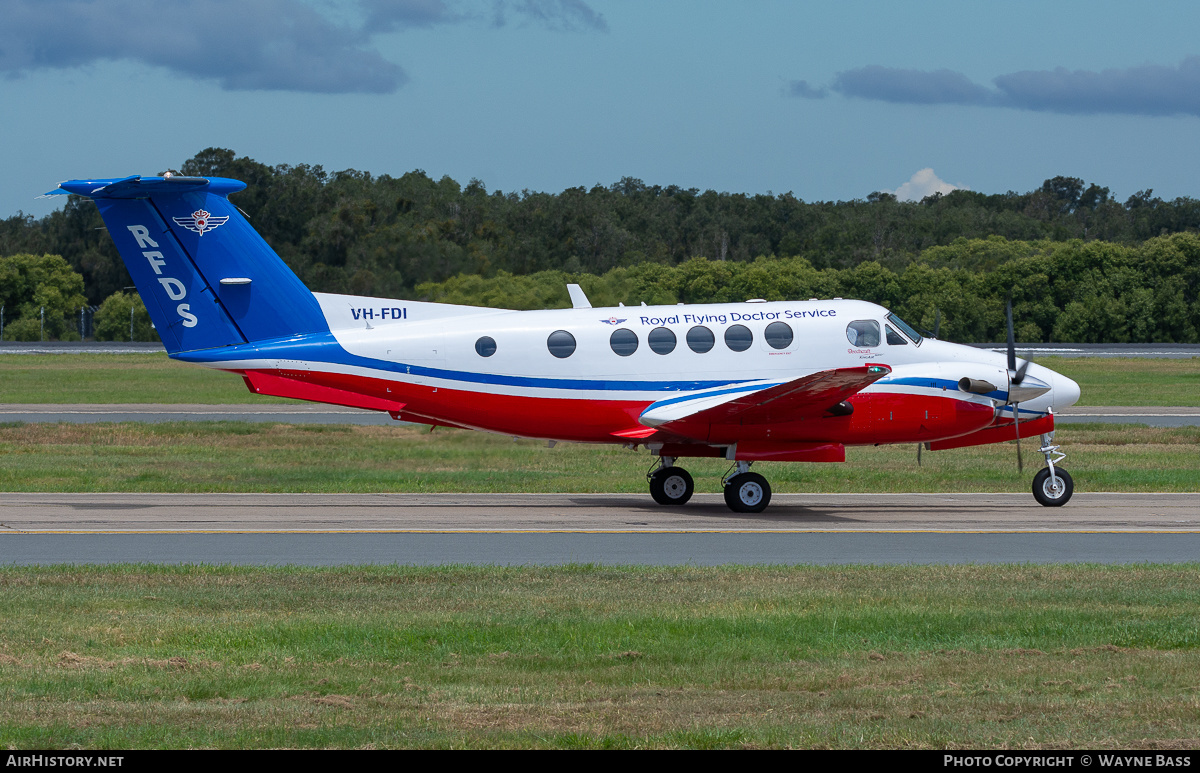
(670, 485)
(1052, 486)
(745, 491)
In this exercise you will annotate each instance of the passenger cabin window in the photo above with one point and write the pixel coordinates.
(863, 332)
(894, 338)
(485, 346)
(624, 342)
(778, 335)
(661, 340)
(561, 344)
(738, 338)
(700, 339)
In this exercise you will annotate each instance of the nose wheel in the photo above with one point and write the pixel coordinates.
(1052, 489)
(1052, 486)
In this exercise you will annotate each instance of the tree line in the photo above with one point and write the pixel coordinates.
(1085, 266)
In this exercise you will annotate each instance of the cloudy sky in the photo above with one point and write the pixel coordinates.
(827, 100)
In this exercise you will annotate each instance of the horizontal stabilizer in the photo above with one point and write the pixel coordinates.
(138, 187)
(277, 386)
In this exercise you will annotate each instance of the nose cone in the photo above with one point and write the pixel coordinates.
(1066, 392)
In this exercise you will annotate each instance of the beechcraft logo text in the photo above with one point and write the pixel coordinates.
(200, 222)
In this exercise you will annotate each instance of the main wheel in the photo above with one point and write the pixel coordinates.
(1053, 492)
(671, 486)
(748, 492)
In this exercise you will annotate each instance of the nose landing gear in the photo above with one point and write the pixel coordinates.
(1052, 487)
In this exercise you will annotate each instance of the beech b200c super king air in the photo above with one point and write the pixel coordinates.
(755, 381)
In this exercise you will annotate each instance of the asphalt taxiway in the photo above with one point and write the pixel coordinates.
(538, 529)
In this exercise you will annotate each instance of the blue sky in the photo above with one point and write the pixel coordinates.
(827, 100)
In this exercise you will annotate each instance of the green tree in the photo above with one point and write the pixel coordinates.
(31, 283)
(112, 319)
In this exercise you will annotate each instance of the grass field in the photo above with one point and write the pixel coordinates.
(250, 457)
(117, 378)
(153, 378)
(843, 657)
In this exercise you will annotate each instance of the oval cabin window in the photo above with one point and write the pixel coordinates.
(700, 339)
(485, 346)
(561, 344)
(739, 338)
(778, 335)
(661, 340)
(624, 342)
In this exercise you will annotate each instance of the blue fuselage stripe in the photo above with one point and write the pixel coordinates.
(935, 383)
(323, 347)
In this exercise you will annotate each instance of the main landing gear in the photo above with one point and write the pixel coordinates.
(745, 491)
(1052, 486)
(670, 485)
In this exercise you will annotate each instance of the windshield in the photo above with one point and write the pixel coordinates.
(907, 330)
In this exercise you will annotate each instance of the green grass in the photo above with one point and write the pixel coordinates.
(248, 457)
(117, 378)
(1117, 381)
(593, 657)
(153, 378)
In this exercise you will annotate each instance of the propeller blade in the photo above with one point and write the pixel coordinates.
(1019, 376)
(1012, 346)
(937, 323)
(1017, 424)
(919, 453)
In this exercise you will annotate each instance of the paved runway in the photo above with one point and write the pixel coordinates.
(583, 513)
(329, 529)
(313, 413)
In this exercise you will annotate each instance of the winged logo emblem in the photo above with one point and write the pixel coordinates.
(200, 221)
(612, 321)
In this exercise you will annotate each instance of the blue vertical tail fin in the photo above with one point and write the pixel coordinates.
(206, 276)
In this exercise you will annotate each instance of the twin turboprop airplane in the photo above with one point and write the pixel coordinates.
(755, 381)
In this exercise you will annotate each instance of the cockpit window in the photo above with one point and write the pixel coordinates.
(894, 338)
(905, 328)
(863, 332)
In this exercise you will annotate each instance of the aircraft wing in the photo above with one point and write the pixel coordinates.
(808, 396)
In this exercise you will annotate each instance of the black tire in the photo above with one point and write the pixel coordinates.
(747, 493)
(1047, 493)
(671, 486)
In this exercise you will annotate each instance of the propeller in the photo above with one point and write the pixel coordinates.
(1015, 377)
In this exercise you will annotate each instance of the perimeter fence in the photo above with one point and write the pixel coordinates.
(86, 323)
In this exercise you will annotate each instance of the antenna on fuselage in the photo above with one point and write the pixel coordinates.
(579, 299)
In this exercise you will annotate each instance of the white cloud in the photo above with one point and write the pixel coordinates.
(924, 183)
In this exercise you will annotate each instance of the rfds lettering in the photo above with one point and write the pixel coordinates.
(175, 289)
